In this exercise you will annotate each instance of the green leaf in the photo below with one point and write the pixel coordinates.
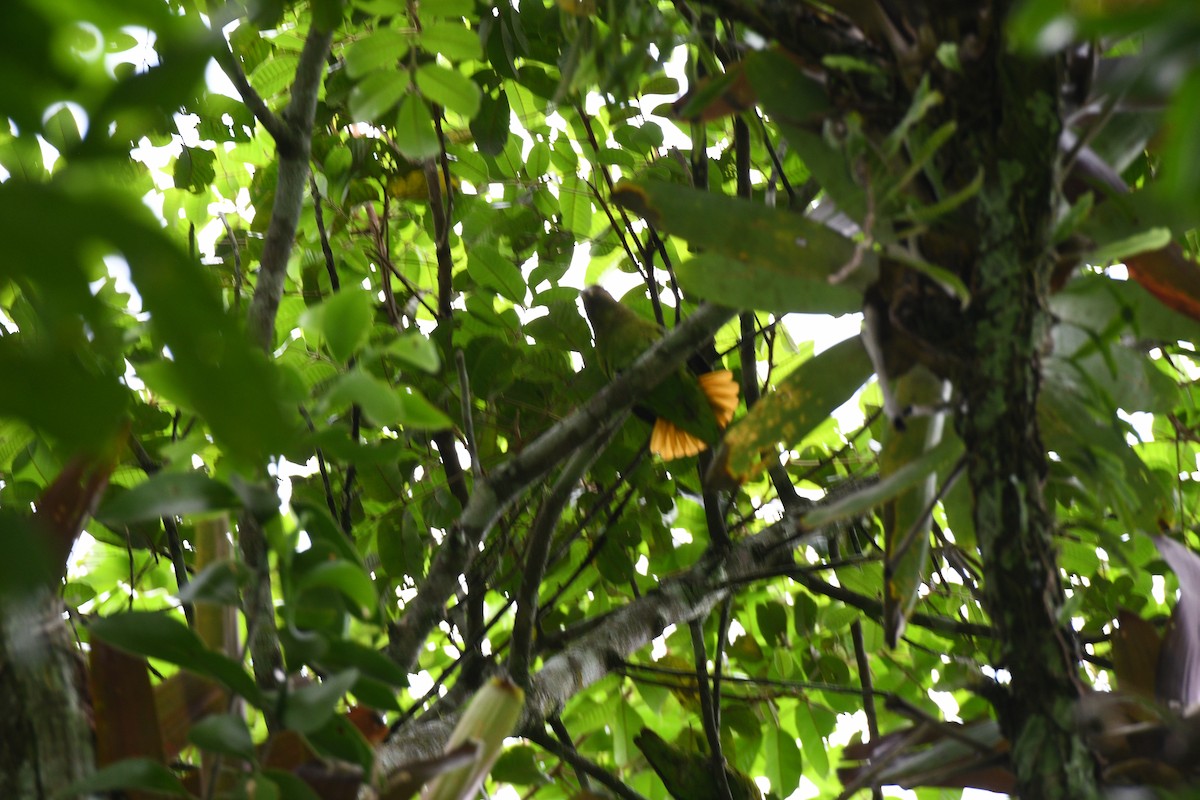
(347, 578)
(133, 773)
(378, 94)
(450, 88)
(779, 254)
(416, 350)
(772, 621)
(62, 131)
(451, 40)
(811, 743)
(575, 203)
(760, 286)
(167, 494)
(519, 765)
(1141, 242)
(310, 707)
(803, 400)
(384, 404)
(417, 412)
(538, 161)
(381, 50)
(447, 8)
(156, 634)
(288, 786)
(489, 268)
(345, 653)
(936, 460)
(344, 320)
(195, 169)
(376, 398)
(415, 136)
(490, 126)
(906, 517)
(219, 583)
(213, 370)
(783, 761)
(225, 734)
(59, 396)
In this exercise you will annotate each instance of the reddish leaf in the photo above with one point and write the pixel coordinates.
(1166, 272)
(180, 702)
(67, 502)
(1135, 650)
(123, 707)
(1170, 276)
(369, 723)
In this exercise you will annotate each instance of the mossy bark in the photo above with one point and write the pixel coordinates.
(1013, 135)
(45, 735)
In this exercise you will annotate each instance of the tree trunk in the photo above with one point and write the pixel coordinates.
(1014, 138)
(45, 735)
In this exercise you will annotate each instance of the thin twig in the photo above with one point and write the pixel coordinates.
(572, 757)
(237, 262)
(326, 250)
(708, 709)
(321, 467)
(874, 609)
(544, 524)
(174, 544)
(507, 482)
(564, 736)
(468, 418)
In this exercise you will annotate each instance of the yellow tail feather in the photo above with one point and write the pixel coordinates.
(669, 442)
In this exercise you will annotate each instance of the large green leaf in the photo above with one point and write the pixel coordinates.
(131, 774)
(167, 494)
(907, 517)
(385, 405)
(310, 707)
(415, 136)
(449, 88)
(226, 734)
(383, 48)
(803, 400)
(496, 272)
(344, 320)
(936, 460)
(347, 578)
(378, 94)
(159, 635)
(213, 370)
(450, 39)
(782, 258)
(575, 201)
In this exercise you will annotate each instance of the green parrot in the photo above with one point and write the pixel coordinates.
(690, 775)
(689, 411)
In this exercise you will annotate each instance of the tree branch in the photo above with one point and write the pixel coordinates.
(293, 142)
(678, 600)
(585, 766)
(708, 708)
(538, 550)
(227, 60)
(506, 482)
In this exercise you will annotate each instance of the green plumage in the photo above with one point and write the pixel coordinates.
(621, 336)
